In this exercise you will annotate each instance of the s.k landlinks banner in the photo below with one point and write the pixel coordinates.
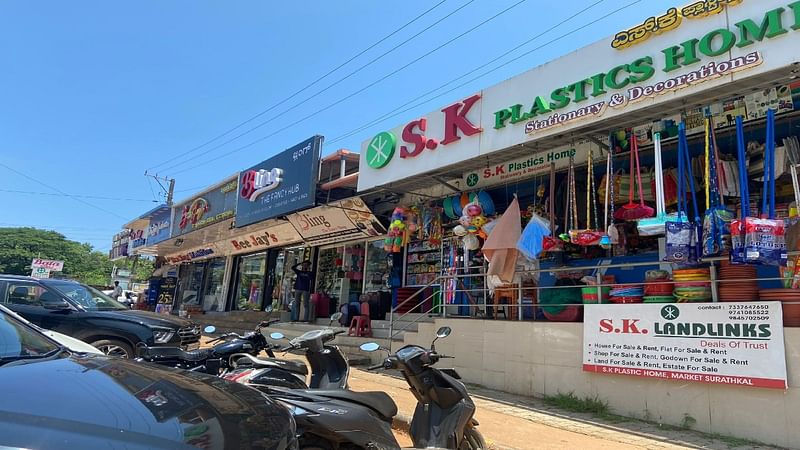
(720, 343)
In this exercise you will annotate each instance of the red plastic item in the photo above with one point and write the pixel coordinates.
(569, 314)
(626, 300)
(361, 325)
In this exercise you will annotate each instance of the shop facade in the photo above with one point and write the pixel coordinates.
(706, 81)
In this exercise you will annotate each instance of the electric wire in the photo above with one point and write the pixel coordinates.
(94, 197)
(77, 199)
(313, 83)
(351, 95)
(307, 99)
(396, 111)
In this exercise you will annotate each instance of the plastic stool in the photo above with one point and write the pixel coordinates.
(361, 324)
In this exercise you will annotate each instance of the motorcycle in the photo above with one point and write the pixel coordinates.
(329, 366)
(444, 414)
(216, 360)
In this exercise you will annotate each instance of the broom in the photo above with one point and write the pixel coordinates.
(632, 211)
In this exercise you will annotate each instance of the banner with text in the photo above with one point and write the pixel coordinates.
(719, 343)
(338, 222)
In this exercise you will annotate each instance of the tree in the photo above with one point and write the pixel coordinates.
(18, 246)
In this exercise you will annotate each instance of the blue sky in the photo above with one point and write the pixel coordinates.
(93, 93)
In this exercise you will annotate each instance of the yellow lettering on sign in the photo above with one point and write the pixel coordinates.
(669, 21)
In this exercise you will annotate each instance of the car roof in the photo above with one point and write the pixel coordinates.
(18, 277)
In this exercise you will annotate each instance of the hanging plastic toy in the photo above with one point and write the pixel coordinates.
(396, 235)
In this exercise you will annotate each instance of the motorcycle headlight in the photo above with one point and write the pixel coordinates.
(295, 410)
(162, 335)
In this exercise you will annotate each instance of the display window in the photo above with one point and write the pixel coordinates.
(248, 292)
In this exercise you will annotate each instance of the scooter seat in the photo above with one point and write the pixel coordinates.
(176, 353)
(378, 401)
(244, 359)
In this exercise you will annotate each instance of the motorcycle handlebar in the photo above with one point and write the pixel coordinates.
(375, 367)
(339, 332)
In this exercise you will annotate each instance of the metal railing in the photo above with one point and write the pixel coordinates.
(596, 271)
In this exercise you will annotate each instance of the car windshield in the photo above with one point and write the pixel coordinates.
(87, 296)
(19, 341)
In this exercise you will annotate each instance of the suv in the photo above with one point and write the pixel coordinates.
(83, 312)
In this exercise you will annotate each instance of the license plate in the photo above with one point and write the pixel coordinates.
(191, 347)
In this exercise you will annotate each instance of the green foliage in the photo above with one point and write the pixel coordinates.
(18, 246)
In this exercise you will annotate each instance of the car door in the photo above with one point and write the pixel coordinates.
(27, 299)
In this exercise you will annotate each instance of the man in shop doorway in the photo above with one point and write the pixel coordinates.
(117, 291)
(302, 291)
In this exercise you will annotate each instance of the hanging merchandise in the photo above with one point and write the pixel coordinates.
(605, 241)
(447, 205)
(611, 230)
(588, 236)
(397, 235)
(486, 203)
(532, 240)
(717, 221)
(765, 241)
(632, 211)
(551, 243)
(501, 247)
(655, 226)
(681, 234)
(793, 221)
(738, 225)
(570, 212)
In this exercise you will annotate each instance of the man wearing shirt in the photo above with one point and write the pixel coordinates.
(302, 290)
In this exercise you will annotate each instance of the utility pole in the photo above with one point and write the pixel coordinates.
(169, 191)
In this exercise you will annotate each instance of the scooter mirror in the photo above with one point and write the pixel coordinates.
(443, 332)
(268, 309)
(336, 316)
(369, 346)
(277, 336)
(211, 329)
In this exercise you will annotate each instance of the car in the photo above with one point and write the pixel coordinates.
(71, 343)
(83, 312)
(54, 398)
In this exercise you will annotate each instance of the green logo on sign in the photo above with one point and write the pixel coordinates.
(472, 179)
(381, 150)
(670, 312)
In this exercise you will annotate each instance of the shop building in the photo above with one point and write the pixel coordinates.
(232, 246)
(695, 68)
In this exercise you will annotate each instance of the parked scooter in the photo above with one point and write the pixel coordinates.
(216, 360)
(340, 418)
(329, 367)
(444, 414)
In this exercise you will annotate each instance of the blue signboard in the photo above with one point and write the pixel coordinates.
(283, 184)
(159, 228)
(212, 206)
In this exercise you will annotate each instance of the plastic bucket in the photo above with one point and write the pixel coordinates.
(589, 294)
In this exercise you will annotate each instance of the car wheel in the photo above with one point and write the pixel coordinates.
(113, 347)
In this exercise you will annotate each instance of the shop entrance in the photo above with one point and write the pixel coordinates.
(280, 278)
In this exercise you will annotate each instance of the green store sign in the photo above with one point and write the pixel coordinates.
(774, 23)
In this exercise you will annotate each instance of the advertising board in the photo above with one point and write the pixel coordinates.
(720, 343)
(285, 183)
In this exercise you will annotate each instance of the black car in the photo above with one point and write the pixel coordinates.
(52, 398)
(85, 313)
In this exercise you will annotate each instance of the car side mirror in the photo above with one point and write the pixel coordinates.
(57, 306)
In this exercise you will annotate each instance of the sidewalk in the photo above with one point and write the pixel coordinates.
(513, 422)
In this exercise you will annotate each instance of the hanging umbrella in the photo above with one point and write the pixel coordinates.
(500, 248)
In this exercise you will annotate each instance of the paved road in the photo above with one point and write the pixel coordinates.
(509, 421)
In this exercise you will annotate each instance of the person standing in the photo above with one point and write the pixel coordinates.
(302, 290)
(117, 291)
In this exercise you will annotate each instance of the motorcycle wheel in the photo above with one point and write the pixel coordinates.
(473, 440)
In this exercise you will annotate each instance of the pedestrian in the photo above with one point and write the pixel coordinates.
(302, 290)
(117, 291)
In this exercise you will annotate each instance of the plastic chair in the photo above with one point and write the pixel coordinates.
(361, 325)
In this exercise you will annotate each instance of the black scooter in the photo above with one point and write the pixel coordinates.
(216, 360)
(444, 414)
(341, 419)
(329, 367)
